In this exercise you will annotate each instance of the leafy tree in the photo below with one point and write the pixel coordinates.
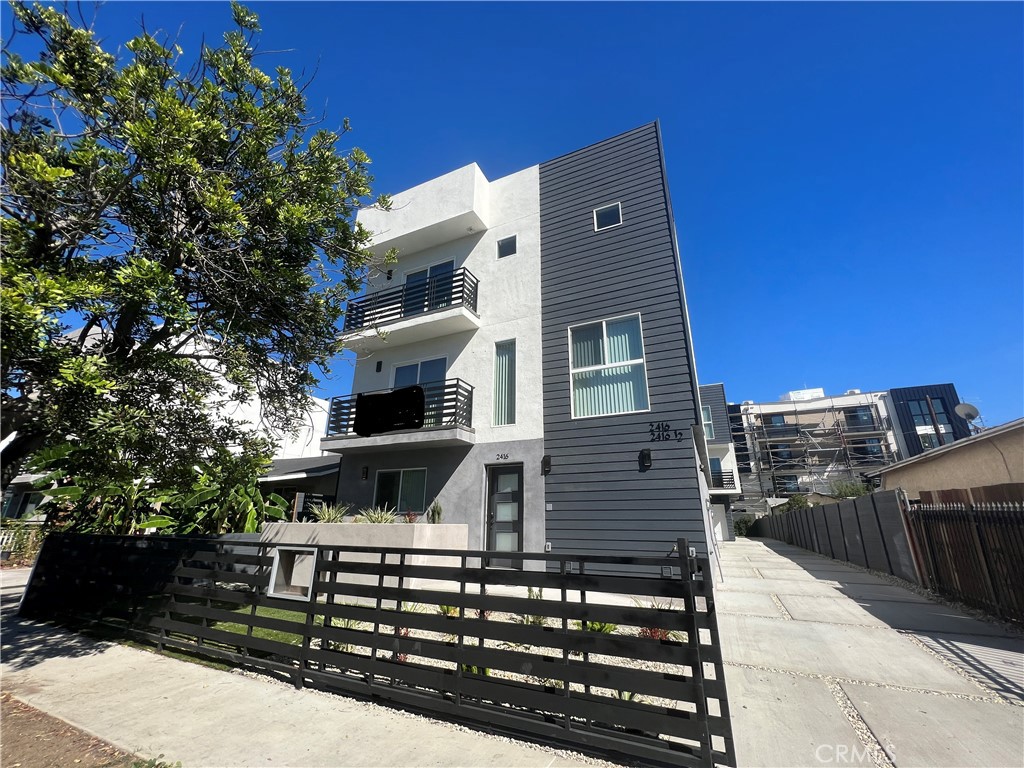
(845, 489)
(795, 503)
(198, 231)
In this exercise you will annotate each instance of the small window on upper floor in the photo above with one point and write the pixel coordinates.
(607, 217)
(708, 422)
(507, 247)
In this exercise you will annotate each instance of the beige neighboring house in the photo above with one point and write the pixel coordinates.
(993, 457)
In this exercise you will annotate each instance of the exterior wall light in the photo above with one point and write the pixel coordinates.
(545, 464)
(644, 459)
(364, 474)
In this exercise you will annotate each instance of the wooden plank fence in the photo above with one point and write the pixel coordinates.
(554, 654)
(973, 553)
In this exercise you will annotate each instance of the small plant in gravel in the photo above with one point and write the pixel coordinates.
(380, 515)
(531, 619)
(343, 623)
(604, 627)
(451, 611)
(627, 696)
(475, 670)
(657, 633)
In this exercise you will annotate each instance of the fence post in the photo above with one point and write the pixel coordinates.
(688, 569)
(881, 534)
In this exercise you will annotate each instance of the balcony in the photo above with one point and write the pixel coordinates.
(777, 431)
(861, 427)
(447, 421)
(413, 312)
(722, 481)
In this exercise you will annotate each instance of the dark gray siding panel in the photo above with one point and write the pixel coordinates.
(901, 398)
(713, 396)
(600, 501)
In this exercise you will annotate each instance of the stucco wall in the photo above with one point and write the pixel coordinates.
(508, 305)
(992, 461)
(457, 478)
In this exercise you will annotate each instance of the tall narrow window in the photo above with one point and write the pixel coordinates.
(606, 360)
(505, 383)
(709, 424)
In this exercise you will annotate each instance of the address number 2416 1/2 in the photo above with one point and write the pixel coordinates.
(661, 431)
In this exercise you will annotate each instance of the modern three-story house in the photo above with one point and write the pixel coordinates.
(544, 316)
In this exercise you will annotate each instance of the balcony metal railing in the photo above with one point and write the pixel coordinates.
(447, 404)
(455, 289)
(721, 479)
(861, 426)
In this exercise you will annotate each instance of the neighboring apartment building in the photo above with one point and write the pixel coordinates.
(543, 314)
(806, 442)
(722, 470)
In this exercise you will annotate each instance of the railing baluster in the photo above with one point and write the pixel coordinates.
(458, 288)
(447, 403)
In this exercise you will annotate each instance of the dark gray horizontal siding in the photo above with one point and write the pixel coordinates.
(713, 396)
(901, 398)
(600, 500)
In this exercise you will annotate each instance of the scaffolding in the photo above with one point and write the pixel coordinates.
(812, 445)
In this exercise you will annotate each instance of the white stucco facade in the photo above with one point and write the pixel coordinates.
(508, 304)
(459, 218)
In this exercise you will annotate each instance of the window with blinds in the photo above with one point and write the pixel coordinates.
(505, 383)
(606, 360)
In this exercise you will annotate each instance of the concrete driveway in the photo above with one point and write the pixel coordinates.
(831, 665)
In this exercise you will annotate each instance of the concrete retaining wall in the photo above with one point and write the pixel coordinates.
(395, 535)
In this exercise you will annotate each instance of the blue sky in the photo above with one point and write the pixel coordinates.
(846, 178)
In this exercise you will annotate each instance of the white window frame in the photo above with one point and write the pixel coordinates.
(515, 388)
(708, 423)
(616, 204)
(402, 471)
(500, 240)
(604, 340)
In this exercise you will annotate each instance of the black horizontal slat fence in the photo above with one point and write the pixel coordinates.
(555, 653)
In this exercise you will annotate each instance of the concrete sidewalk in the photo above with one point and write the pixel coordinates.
(830, 665)
(153, 705)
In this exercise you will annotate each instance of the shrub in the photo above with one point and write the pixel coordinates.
(657, 633)
(382, 514)
(434, 512)
(25, 541)
(742, 524)
(330, 513)
(846, 489)
(411, 517)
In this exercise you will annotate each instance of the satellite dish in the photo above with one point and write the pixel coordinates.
(966, 411)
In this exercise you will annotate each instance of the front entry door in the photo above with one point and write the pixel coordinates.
(505, 513)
